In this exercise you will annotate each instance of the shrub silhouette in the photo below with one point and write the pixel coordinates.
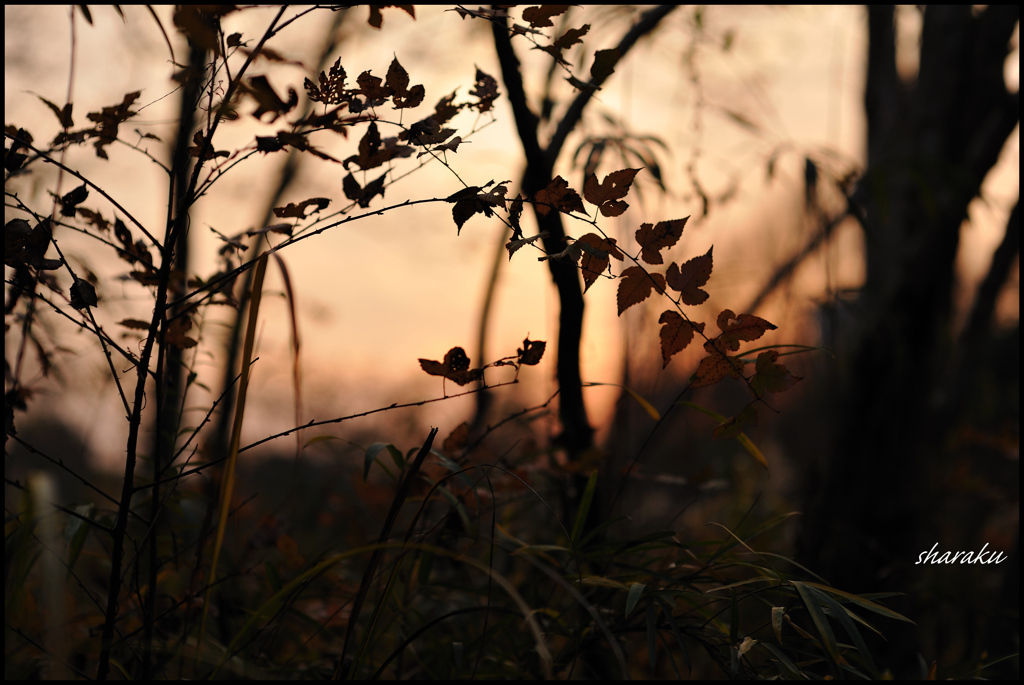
(478, 582)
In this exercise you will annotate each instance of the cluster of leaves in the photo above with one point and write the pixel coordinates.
(455, 366)
(593, 252)
(537, 18)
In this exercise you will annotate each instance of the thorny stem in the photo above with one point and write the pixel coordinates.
(175, 225)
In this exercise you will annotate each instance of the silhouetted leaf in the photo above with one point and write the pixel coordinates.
(109, 119)
(566, 40)
(374, 152)
(376, 19)
(455, 367)
(196, 150)
(267, 100)
(298, 211)
(653, 239)
(558, 195)
(373, 90)
(83, 294)
(515, 213)
(690, 277)
(63, 114)
(531, 351)
(539, 17)
(607, 194)
(472, 200)
(571, 253)
(486, 90)
(746, 327)
(771, 377)
(604, 64)
(635, 286)
(452, 145)
(444, 110)
(27, 247)
(363, 195)
(176, 331)
(596, 260)
(75, 197)
(676, 334)
(517, 243)
(398, 81)
(331, 87)
(716, 366)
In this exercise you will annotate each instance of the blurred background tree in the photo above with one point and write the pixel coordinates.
(925, 407)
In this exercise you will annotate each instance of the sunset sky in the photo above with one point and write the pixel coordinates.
(377, 294)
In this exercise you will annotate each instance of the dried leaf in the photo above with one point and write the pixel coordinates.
(176, 331)
(771, 377)
(604, 64)
(398, 81)
(676, 334)
(558, 195)
(531, 352)
(539, 17)
(716, 366)
(109, 119)
(361, 195)
(653, 239)
(63, 113)
(515, 244)
(455, 367)
(635, 286)
(267, 100)
(331, 87)
(690, 277)
(746, 327)
(376, 19)
(83, 294)
(596, 260)
(486, 90)
(472, 200)
(566, 40)
(571, 253)
(374, 152)
(607, 195)
(298, 211)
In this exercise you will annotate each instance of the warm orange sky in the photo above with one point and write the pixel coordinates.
(377, 294)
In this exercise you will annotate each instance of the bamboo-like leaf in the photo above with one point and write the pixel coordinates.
(636, 590)
(228, 482)
(647, 406)
(371, 456)
(825, 634)
(860, 601)
(777, 614)
(584, 509)
(842, 615)
(742, 438)
(652, 635)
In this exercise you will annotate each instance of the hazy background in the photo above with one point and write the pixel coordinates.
(375, 295)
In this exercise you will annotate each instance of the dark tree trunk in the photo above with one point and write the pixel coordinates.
(930, 145)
